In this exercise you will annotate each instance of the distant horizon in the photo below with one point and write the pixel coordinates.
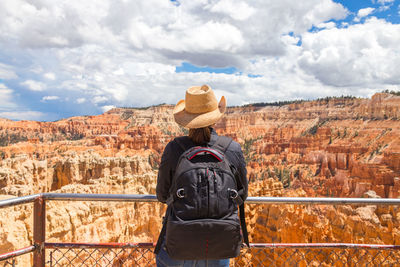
(257, 104)
(63, 59)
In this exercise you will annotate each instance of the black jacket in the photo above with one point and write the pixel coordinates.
(172, 152)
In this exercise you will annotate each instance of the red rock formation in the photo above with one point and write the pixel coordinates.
(315, 139)
(335, 147)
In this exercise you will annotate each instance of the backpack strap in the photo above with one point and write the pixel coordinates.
(242, 216)
(243, 225)
(161, 237)
(184, 146)
(222, 143)
(181, 144)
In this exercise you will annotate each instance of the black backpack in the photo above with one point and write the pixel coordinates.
(202, 219)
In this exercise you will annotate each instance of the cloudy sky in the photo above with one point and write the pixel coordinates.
(71, 57)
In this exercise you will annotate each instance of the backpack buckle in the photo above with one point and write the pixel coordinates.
(180, 192)
(233, 193)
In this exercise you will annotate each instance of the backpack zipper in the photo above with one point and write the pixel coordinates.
(208, 192)
(215, 183)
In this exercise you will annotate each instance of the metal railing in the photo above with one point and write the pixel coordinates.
(140, 254)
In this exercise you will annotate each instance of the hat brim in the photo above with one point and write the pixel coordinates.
(194, 121)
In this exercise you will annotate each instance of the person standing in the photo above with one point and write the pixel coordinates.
(201, 226)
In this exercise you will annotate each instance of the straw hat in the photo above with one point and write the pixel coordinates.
(200, 108)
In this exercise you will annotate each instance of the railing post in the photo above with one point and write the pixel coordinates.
(39, 231)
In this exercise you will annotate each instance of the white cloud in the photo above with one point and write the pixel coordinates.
(6, 101)
(364, 12)
(107, 108)
(22, 115)
(119, 71)
(81, 100)
(99, 99)
(25, 22)
(361, 55)
(163, 29)
(37, 69)
(124, 53)
(383, 8)
(382, 2)
(237, 10)
(50, 97)
(208, 36)
(328, 25)
(34, 85)
(11, 110)
(4, 88)
(7, 72)
(50, 76)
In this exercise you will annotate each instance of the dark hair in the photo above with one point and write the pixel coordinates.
(200, 135)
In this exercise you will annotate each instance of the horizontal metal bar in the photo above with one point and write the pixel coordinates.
(16, 253)
(153, 198)
(100, 197)
(252, 245)
(98, 245)
(325, 245)
(18, 200)
(322, 200)
(250, 200)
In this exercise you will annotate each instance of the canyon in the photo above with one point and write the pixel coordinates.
(333, 147)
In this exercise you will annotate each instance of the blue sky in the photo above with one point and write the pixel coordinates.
(59, 60)
(388, 10)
